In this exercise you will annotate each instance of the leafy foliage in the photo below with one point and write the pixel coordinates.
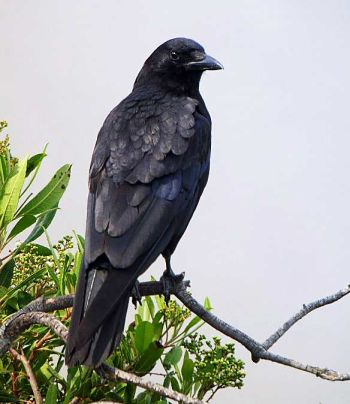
(19, 209)
(162, 340)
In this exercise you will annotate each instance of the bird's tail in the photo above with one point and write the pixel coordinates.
(99, 313)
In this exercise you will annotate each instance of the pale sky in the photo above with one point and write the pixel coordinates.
(272, 230)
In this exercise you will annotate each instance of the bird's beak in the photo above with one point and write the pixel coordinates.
(206, 63)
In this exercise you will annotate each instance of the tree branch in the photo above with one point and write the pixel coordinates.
(31, 377)
(258, 350)
(27, 319)
(35, 313)
(307, 308)
(117, 374)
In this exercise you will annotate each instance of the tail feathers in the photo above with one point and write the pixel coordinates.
(108, 335)
(99, 313)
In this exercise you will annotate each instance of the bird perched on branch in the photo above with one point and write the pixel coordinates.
(148, 170)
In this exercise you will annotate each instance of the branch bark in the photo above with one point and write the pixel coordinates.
(36, 313)
(259, 350)
(31, 376)
(117, 374)
(306, 309)
(20, 323)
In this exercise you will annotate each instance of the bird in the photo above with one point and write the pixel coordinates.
(148, 170)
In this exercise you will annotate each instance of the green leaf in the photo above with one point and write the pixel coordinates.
(71, 374)
(12, 302)
(39, 249)
(6, 273)
(50, 195)
(23, 298)
(80, 241)
(160, 302)
(4, 398)
(41, 357)
(143, 311)
(41, 225)
(138, 319)
(166, 381)
(130, 391)
(192, 323)
(3, 292)
(173, 356)
(34, 162)
(150, 305)
(56, 375)
(174, 383)
(11, 192)
(143, 335)
(149, 358)
(158, 331)
(36, 171)
(5, 161)
(21, 285)
(196, 387)
(158, 317)
(207, 304)
(187, 369)
(144, 398)
(25, 222)
(53, 276)
(4, 168)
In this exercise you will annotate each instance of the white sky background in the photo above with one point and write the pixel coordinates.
(272, 230)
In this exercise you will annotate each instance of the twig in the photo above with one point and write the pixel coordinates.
(105, 402)
(259, 351)
(14, 327)
(39, 344)
(76, 400)
(187, 299)
(117, 374)
(323, 373)
(35, 313)
(31, 377)
(307, 308)
(21, 323)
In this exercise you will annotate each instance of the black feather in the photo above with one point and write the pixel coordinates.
(148, 170)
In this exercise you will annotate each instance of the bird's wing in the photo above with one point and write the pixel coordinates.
(146, 177)
(147, 161)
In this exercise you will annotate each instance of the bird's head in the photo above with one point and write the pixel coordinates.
(178, 60)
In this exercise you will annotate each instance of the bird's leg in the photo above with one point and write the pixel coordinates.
(169, 278)
(136, 295)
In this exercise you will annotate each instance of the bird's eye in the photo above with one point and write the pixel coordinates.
(174, 55)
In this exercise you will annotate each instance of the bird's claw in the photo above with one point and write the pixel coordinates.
(169, 280)
(136, 295)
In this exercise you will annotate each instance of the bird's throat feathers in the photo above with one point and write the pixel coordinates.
(182, 82)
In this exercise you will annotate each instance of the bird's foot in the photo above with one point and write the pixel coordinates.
(136, 295)
(169, 280)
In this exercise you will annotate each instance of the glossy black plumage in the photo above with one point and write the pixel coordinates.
(148, 171)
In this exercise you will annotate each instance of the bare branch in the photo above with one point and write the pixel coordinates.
(323, 373)
(35, 313)
(77, 400)
(307, 308)
(186, 298)
(104, 402)
(259, 351)
(31, 377)
(21, 323)
(117, 374)
(16, 325)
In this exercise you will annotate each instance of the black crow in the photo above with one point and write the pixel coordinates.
(148, 170)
